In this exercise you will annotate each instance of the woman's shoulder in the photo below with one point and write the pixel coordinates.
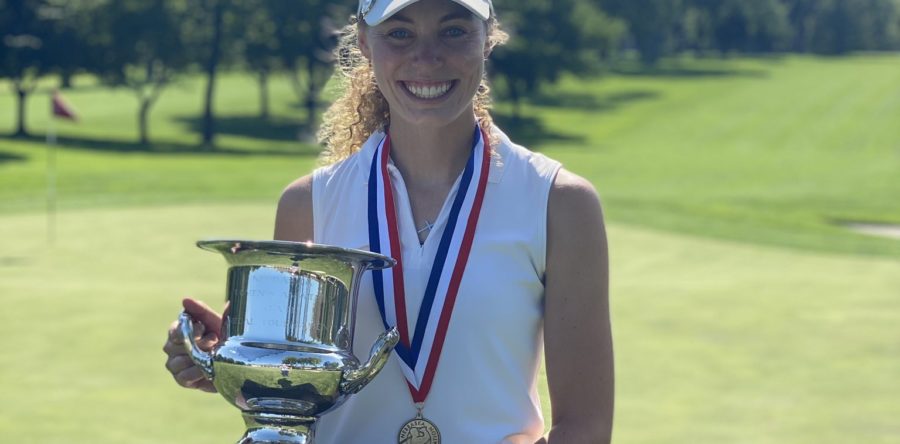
(573, 190)
(341, 166)
(573, 205)
(355, 163)
(294, 217)
(296, 207)
(511, 155)
(572, 197)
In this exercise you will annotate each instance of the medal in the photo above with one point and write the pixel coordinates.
(419, 351)
(419, 431)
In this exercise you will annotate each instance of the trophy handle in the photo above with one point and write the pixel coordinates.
(203, 359)
(356, 379)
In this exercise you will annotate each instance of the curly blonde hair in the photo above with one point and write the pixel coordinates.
(361, 109)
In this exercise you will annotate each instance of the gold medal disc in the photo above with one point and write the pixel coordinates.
(419, 431)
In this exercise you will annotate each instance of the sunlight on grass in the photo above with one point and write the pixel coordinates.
(715, 341)
(744, 310)
(773, 150)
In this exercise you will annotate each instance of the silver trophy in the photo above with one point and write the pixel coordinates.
(285, 356)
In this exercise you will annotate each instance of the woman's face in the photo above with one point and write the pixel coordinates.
(428, 60)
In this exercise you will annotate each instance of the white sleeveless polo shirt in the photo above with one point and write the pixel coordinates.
(484, 389)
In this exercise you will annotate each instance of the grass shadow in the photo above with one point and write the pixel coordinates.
(12, 262)
(692, 73)
(686, 71)
(166, 147)
(254, 127)
(9, 157)
(590, 102)
(530, 131)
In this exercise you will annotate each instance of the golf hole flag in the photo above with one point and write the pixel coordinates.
(61, 109)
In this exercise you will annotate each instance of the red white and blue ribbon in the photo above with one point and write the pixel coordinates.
(420, 350)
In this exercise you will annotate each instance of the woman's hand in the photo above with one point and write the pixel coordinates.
(206, 334)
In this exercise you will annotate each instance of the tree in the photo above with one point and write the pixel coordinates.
(268, 34)
(885, 25)
(841, 26)
(650, 24)
(139, 44)
(26, 33)
(801, 16)
(548, 40)
(205, 37)
(758, 26)
(259, 46)
(836, 29)
(306, 38)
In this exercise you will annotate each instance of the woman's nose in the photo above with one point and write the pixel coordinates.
(428, 51)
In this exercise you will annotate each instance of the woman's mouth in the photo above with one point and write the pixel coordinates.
(428, 90)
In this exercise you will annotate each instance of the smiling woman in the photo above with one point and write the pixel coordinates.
(363, 108)
(501, 254)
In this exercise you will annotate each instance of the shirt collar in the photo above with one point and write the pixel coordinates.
(499, 152)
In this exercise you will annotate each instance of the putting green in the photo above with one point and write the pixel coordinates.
(715, 341)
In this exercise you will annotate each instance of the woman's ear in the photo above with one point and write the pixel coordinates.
(362, 39)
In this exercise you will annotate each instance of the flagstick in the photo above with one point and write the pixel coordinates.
(51, 182)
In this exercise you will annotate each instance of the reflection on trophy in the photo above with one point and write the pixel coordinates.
(286, 351)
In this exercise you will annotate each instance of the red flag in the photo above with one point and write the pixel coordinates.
(62, 109)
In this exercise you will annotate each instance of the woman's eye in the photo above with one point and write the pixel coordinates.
(455, 32)
(399, 34)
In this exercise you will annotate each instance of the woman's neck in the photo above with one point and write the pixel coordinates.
(431, 157)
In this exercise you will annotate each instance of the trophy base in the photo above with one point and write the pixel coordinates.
(277, 428)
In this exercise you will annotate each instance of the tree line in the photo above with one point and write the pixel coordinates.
(145, 45)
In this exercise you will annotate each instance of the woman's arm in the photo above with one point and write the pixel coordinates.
(577, 334)
(294, 218)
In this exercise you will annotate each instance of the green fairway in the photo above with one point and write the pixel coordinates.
(775, 151)
(768, 151)
(743, 311)
(100, 162)
(715, 342)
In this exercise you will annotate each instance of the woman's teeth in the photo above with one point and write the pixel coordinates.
(429, 91)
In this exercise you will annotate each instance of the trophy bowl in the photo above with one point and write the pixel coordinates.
(285, 354)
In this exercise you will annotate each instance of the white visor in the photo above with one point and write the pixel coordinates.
(377, 11)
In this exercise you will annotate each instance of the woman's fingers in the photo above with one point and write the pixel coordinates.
(175, 334)
(189, 376)
(184, 370)
(173, 349)
(202, 313)
(178, 363)
(206, 327)
(206, 385)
